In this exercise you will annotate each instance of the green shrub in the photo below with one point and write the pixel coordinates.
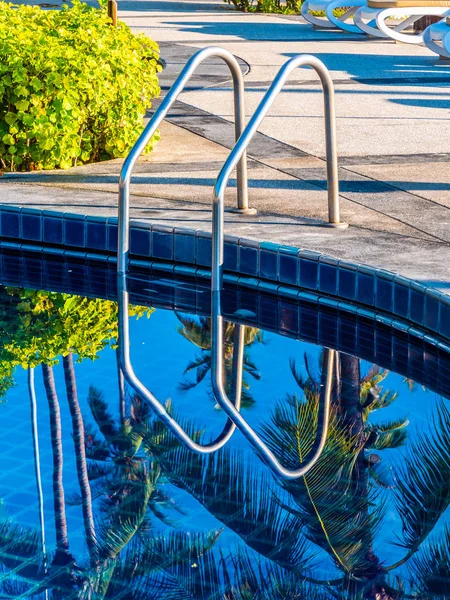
(267, 6)
(73, 89)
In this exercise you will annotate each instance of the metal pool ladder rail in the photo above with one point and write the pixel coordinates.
(237, 158)
(124, 242)
(217, 252)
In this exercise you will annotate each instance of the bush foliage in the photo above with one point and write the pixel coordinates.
(37, 327)
(73, 89)
(267, 6)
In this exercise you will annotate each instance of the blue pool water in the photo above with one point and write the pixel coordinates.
(369, 521)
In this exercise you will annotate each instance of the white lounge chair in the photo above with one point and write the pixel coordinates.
(436, 37)
(405, 11)
(315, 6)
(343, 22)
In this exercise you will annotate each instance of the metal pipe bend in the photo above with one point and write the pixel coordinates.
(158, 408)
(154, 123)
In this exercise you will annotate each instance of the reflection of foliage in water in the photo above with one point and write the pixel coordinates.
(37, 326)
(337, 508)
(197, 330)
(340, 505)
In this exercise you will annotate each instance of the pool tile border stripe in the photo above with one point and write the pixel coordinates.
(312, 271)
(325, 321)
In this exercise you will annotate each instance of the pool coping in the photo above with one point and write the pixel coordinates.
(278, 264)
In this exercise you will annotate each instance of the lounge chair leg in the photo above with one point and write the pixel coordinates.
(409, 15)
(341, 22)
(364, 19)
(446, 46)
(317, 21)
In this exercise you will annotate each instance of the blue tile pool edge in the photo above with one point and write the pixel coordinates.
(284, 266)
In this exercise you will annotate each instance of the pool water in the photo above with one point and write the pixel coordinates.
(99, 501)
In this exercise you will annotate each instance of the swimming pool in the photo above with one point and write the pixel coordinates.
(136, 515)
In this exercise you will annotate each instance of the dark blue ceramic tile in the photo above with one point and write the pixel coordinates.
(365, 338)
(288, 316)
(203, 301)
(184, 271)
(31, 227)
(288, 266)
(139, 287)
(204, 250)
(184, 247)
(74, 231)
(308, 273)
(76, 279)
(33, 268)
(164, 294)
(415, 362)
(384, 294)
(444, 324)
(112, 237)
(12, 268)
(365, 288)
(10, 223)
(383, 346)
(400, 353)
(229, 302)
(444, 371)
(327, 278)
(308, 322)
(347, 283)
(416, 306)
(248, 260)
(96, 232)
(268, 264)
(163, 267)
(55, 273)
(401, 300)
(430, 366)
(185, 296)
(230, 255)
(98, 280)
(347, 334)
(248, 305)
(140, 242)
(268, 312)
(53, 230)
(162, 245)
(328, 328)
(431, 315)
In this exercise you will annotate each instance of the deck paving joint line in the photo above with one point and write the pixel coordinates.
(251, 156)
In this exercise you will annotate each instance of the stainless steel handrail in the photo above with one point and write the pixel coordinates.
(239, 149)
(159, 409)
(237, 158)
(124, 241)
(154, 123)
(217, 254)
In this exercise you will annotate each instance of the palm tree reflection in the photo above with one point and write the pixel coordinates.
(315, 538)
(340, 506)
(198, 331)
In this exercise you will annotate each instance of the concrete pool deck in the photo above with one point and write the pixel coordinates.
(393, 123)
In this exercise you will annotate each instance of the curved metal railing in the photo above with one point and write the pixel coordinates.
(237, 158)
(159, 409)
(217, 249)
(155, 122)
(124, 241)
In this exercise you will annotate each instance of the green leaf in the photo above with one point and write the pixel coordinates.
(8, 139)
(11, 118)
(423, 481)
(22, 105)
